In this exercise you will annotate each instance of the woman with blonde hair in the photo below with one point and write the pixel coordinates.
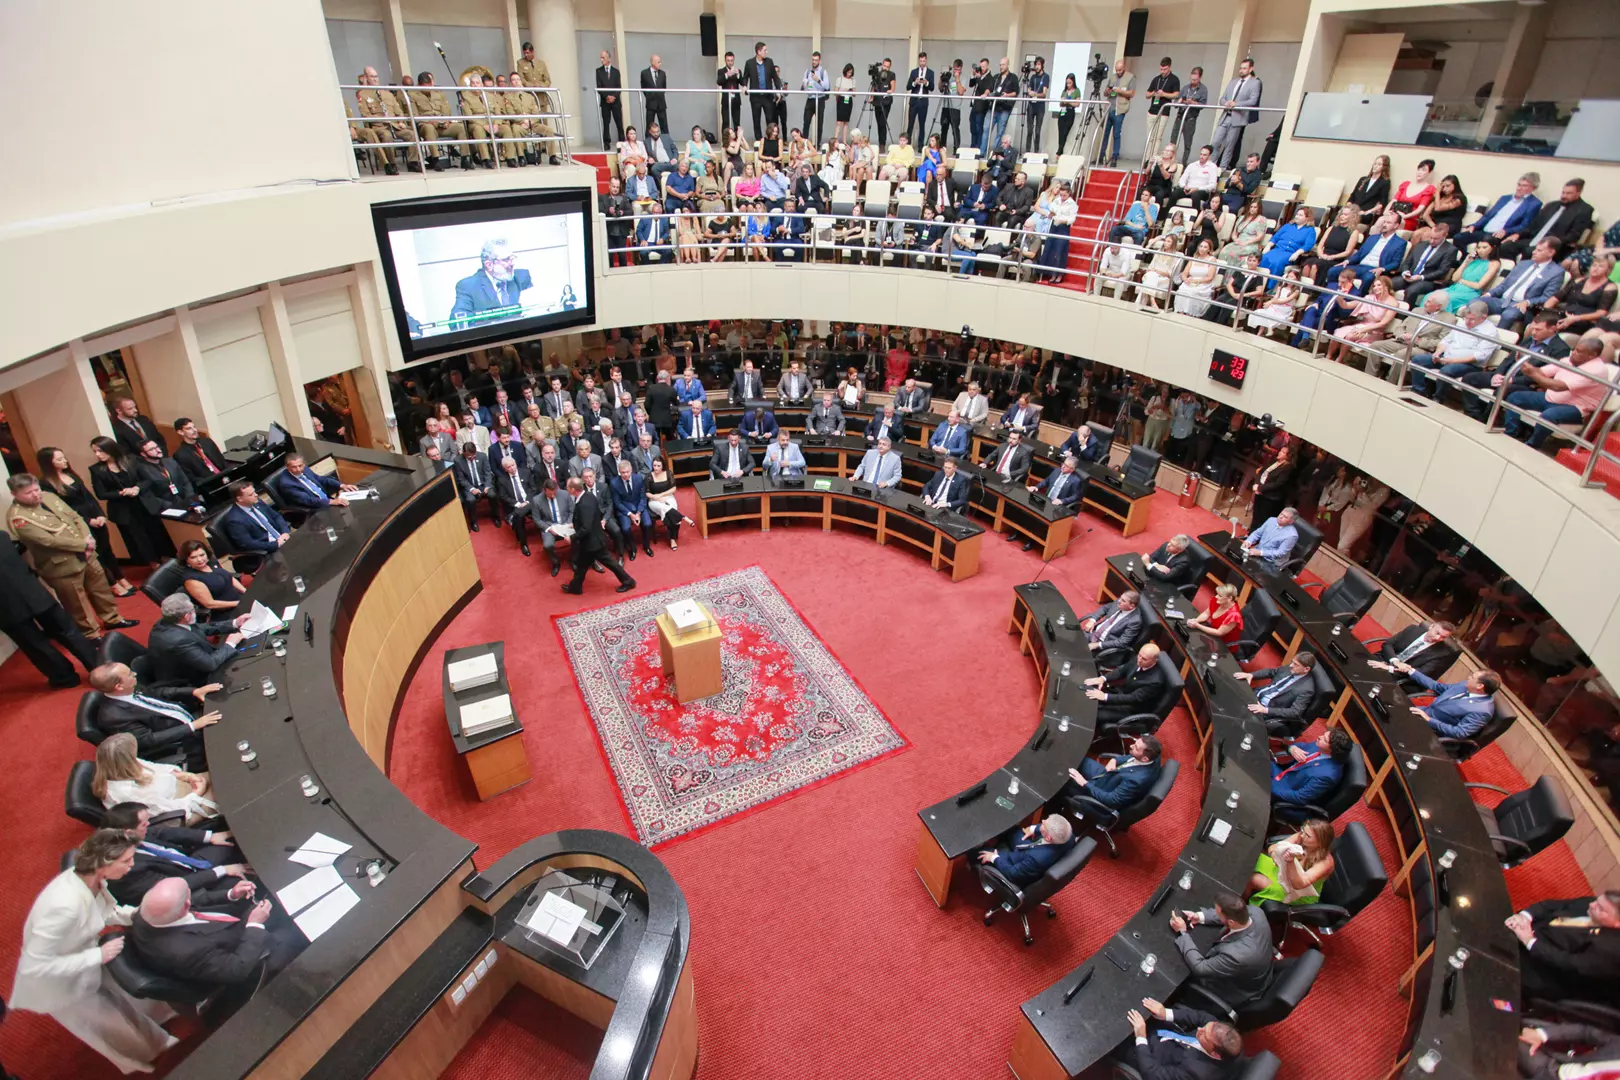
(1292, 870)
(122, 776)
(1222, 618)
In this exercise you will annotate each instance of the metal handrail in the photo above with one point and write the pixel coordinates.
(1600, 448)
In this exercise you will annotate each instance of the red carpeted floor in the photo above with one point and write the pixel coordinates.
(815, 949)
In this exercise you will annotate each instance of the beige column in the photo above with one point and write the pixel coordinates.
(553, 21)
(373, 334)
(1318, 52)
(1015, 34)
(394, 39)
(628, 71)
(916, 42)
(1124, 20)
(815, 29)
(1520, 55)
(717, 8)
(186, 327)
(1237, 46)
(514, 35)
(278, 336)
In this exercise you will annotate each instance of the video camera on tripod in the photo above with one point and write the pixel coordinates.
(874, 75)
(1096, 74)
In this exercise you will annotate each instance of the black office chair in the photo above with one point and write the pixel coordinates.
(1198, 557)
(1263, 1066)
(1501, 719)
(1310, 538)
(1350, 790)
(164, 582)
(1148, 721)
(1105, 440)
(243, 562)
(84, 721)
(1526, 821)
(1357, 879)
(1574, 1011)
(1291, 982)
(139, 981)
(1260, 619)
(1020, 901)
(1349, 598)
(268, 489)
(1108, 822)
(81, 802)
(1142, 466)
(119, 648)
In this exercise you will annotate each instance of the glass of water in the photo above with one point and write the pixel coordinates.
(266, 687)
(1149, 963)
(298, 585)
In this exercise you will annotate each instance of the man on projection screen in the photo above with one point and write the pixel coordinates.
(491, 293)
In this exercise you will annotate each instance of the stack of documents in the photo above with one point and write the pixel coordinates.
(687, 615)
(260, 620)
(480, 716)
(473, 672)
(321, 897)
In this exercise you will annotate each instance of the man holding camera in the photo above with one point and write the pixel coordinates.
(730, 80)
(954, 87)
(981, 84)
(882, 76)
(1038, 83)
(1119, 91)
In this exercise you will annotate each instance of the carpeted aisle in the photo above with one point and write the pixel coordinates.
(816, 951)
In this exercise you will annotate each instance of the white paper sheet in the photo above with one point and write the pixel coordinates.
(309, 888)
(288, 613)
(306, 857)
(321, 916)
(260, 620)
(360, 493)
(321, 842)
(173, 513)
(556, 918)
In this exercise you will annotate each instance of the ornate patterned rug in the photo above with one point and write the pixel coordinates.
(788, 717)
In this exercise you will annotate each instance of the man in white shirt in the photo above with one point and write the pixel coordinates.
(1116, 270)
(731, 461)
(880, 467)
(1467, 348)
(1199, 177)
(818, 82)
(971, 405)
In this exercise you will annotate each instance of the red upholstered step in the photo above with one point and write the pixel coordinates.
(1607, 470)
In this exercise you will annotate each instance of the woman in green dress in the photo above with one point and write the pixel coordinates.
(1292, 870)
(1248, 236)
(1470, 280)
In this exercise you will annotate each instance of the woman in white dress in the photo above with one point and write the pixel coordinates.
(832, 165)
(1357, 518)
(1280, 308)
(1197, 283)
(121, 776)
(1154, 289)
(61, 970)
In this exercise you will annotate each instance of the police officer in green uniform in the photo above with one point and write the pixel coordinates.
(64, 555)
(434, 120)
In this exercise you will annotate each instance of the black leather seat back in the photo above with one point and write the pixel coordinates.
(139, 981)
(1061, 872)
(1173, 685)
(1160, 791)
(1358, 873)
(119, 648)
(1260, 618)
(1291, 981)
(84, 721)
(1310, 538)
(1105, 437)
(1351, 787)
(1142, 466)
(81, 803)
(163, 582)
(1324, 691)
(1352, 596)
(1538, 816)
(1198, 557)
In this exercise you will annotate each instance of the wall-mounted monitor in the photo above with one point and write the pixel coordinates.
(467, 271)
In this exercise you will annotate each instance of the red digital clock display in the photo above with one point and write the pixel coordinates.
(1225, 367)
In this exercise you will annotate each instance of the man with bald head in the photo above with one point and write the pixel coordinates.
(1133, 687)
(383, 111)
(221, 947)
(654, 81)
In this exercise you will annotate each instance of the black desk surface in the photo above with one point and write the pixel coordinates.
(954, 526)
(453, 701)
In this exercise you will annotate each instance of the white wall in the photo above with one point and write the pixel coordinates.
(236, 363)
(166, 376)
(324, 333)
(357, 45)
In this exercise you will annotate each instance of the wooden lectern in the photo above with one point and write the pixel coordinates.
(691, 658)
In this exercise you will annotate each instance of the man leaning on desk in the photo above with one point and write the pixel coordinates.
(178, 649)
(1237, 967)
(1274, 540)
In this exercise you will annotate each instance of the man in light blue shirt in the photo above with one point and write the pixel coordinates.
(818, 82)
(783, 458)
(1274, 540)
(880, 467)
(773, 186)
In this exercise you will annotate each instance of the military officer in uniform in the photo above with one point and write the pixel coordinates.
(479, 123)
(64, 555)
(534, 73)
(503, 128)
(428, 102)
(363, 133)
(377, 106)
(519, 102)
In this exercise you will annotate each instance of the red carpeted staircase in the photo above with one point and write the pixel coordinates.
(1104, 190)
(1607, 471)
(598, 161)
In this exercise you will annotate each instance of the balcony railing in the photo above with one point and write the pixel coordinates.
(403, 132)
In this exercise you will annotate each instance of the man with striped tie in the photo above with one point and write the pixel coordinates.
(162, 719)
(497, 285)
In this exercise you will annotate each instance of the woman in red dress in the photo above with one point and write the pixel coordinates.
(1222, 618)
(896, 364)
(1414, 195)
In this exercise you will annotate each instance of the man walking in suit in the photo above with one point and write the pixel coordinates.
(1129, 689)
(1118, 780)
(1460, 709)
(473, 479)
(1237, 967)
(133, 429)
(1425, 646)
(609, 82)
(654, 82)
(919, 84)
(1289, 692)
(31, 617)
(1187, 1045)
(760, 76)
(590, 546)
(161, 718)
(880, 467)
(1427, 266)
(1239, 99)
(1115, 625)
(948, 488)
(1029, 852)
(630, 507)
(1010, 462)
(1314, 773)
(1570, 948)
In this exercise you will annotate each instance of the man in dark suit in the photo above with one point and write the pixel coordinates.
(552, 404)
(162, 718)
(1118, 780)
(1314, 773)
(940, 194)
(1131, 688)
(1063, 486)
(164, 484)
(1427, 265)
(1528, 286)
(654, 82)
(948, 488)
(198, 454)
(759, 425)
(1540, 338)
(1381, 253)
(1545, 1049)
(1236, 967)
(760, 76)
(299, 486)
(212, 947)
(590, 546)
(629, 491)
(253, 529)
(746, 385)
(206, 860)
(919, 84)
(504, 448)
(178, 649)
(1185, 1045)
(653, 238)
(551, 509)
(473, 479)
(810, 191)
(608, 82)
(1565, 221)
(887, 423)
(1169, 562)
(1027, 853)
(731, 459)
(514, 491)
(1570, 948)
(1115, 625)
(497, 284)
(661, 404)
(1425, 646)
(31, 617)
(1288, 695)
(1009, 462)
(134, 429)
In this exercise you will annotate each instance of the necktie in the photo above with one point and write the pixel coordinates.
(1190, 1041)
(517, 485)
(1556, 214)
(174, 712)
(1298, 764)
(208, 461)
(945, 492)
(1057, 485)
(179, 858)
(1413, 649)
(214, 916)
(253, 512)
(1006, 457)
(304, 479)
(474, 463)
(1423, 259)
(1518, 291)
(1102, 628)
(1265, 696)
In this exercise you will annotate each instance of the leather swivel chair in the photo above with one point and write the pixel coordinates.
(118, 647)
(1526, 821)
(1349, 598)
(1105, 440)
(81, 802)
(1198, 557)
(1260, 619)
(84, 721)
(1291, 982)
(1142, 466)
(1107, 822)
(163, 582)
(1310, 538)
(1148, 721)
(1020, 901)
(1502, 718)
(1357, 879)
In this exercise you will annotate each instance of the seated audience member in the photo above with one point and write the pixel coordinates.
(210, 586)
(1274, 540)
(123, 776)
(645, 453)
(680, 189)
(473, 480)
(731, 460)
(783, 458)
(515, 492)
(299, 486)
(948, 488)
(585, 457)
(504, 448)
(1292, 869)
(178, 650)
(662, 505)
(1460, 709)
(1237, 967)
(1128, 689)
(696, 423)
(199, 455)
(1413, 334)
(1289, 693)
(951, 437)
(1242, 184)
(1565, 221)
(1561, 397)
(1381, 253)
(1027, 853)
(880, 467)
(1169, 562)
(1323, 313)
(1570, 949)
(1199, 178)
(550, 468)
(1315, 771)
(1021, 416)
(1009, 462)
(1116, 270)
(793, 388)
(1541, 338)
(1118, 780)
(1222, 619)
(1116, 625)
(886, 424)
(1137, 223)
(60, 964)
(205, 859)
(758, 425)
(212, 947)
(1170, 1051)
(1528, 286)
(1083, 444)
(1425, 646)
(1508, 216)
(161, 719)
(1063, 486)
(1550, 1051)
(1427, 265)
(654, 238)
(472, 431)
(911, 399)
(1464, 350)
(747, 385)
(971, 405)
(630, 508)
(827, 417)
(553, 512)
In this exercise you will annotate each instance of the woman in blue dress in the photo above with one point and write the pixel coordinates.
(1288, 242)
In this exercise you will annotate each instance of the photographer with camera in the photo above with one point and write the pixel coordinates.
(1036, 84)
(981, 84)
(1004, 88)
(921, 84)
(954, 88)
(882, 97)
(1119, 91)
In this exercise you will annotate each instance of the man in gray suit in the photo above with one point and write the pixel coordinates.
(1115, 625)
(1237, 966)
(880, 467)
(643, 456)
(794, 385)
(444, 440)
(1288, 694)
(585, 457)
(1242, 94)
(826, 418)
(911, 399)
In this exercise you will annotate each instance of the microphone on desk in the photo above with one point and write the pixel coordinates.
(1079, 985)
(309, 629)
